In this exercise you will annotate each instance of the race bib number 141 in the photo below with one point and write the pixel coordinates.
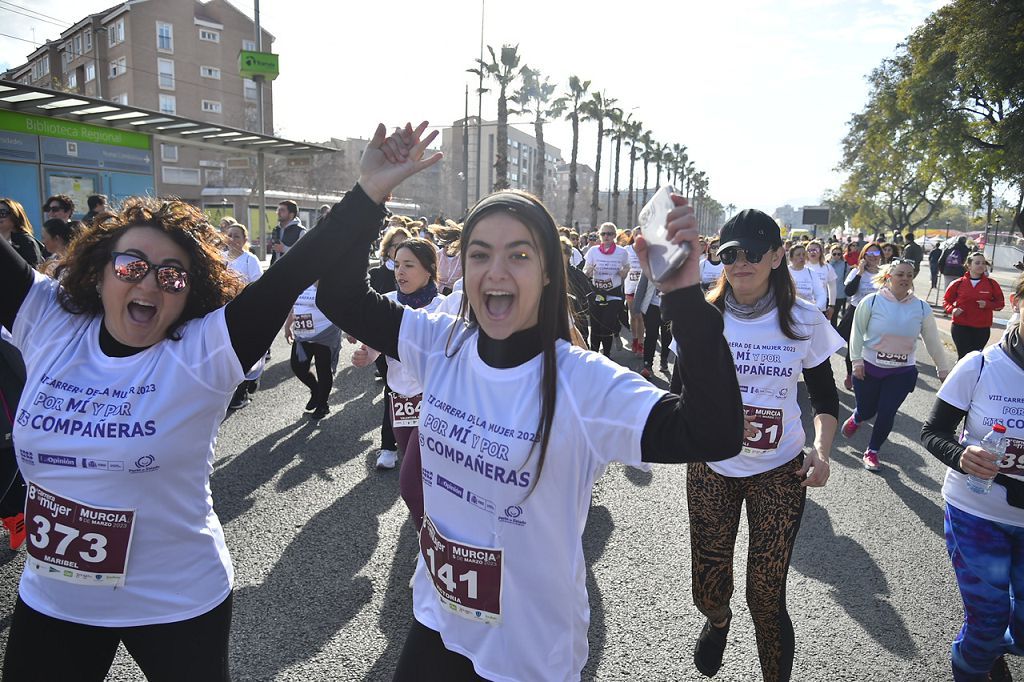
(467, 578)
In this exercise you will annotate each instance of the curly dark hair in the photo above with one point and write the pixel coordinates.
(211, 283)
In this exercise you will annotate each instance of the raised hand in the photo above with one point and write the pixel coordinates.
(681, 225)
(388, 160)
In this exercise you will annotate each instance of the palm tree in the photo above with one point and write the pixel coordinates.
(688, 173)
(662, 156)
(618, 131)
(632, 134)
(596, 109)
(504, 71)
(649, 145)
(679, 159)
(535, 96)
(571, 101)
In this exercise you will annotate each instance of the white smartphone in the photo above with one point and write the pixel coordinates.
(663, 256)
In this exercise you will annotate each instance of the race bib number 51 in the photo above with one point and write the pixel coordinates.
(767, 421)
(76, 542)
(467, 578)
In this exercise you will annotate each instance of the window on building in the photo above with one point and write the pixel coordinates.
(169, 153)
(211, 106)
(41, 68)
(251, 92)
(118, 66)
(168, 104)
(249, 45)
(115, 33)
(72, 79)
(76, 45)
(119, 99)
(164, 37)
(180, 176)
(165, 73)
(209, 72)
(209, 36)
(87, 39)
(90, 71)
(214, 177)
(65, 55)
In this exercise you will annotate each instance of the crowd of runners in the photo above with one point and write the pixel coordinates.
(517, 359)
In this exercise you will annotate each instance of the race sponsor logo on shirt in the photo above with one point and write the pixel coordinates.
(453, 488)
(144, 464)
(481, 502)
(102, 464)
(513, 515)
(58, 460)
(27, 456)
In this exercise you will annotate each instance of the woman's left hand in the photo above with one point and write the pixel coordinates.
(814, 472)
(388, 160)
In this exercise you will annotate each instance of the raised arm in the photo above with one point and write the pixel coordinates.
(15, 281)
(705, 422)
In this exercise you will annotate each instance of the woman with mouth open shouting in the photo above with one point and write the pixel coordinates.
(132, 358)
(517, 424)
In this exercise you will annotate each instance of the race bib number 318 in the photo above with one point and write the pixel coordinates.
(75, 542)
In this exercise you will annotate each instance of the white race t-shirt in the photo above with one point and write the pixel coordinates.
(710, 272)
(809, 288)
(606, 267)
(248, 266)
(308, 320)
(768, 365)
(633, 276)
(477, 429)
(400, 381)
(827, 276)
(997, 396)
(865, 286)
(135, 433)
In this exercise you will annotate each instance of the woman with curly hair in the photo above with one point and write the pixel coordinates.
(128, 377)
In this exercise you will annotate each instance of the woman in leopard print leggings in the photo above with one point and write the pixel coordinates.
(774, 338)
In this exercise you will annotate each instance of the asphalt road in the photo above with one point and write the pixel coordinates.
(323, 554)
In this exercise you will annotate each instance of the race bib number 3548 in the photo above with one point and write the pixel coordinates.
(76, 542)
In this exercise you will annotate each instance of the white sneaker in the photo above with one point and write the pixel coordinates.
(387, 459)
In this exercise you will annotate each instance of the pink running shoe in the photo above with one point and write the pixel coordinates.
(850, 427)
(871, 461)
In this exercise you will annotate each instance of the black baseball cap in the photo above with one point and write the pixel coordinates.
(752, 230)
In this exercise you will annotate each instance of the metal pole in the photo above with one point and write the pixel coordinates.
(261, 176)
(465, 156)
(995, 240)
(480, 103)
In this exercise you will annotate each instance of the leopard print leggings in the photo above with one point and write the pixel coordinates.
(775, 503)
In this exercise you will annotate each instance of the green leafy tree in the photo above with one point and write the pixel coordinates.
(534, 97)
(597, 109)
(504, 70)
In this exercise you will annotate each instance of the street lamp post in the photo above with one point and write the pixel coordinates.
(947, 229)
(995, 238)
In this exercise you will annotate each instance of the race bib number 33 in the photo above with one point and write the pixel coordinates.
(467, 578)
(75, 542)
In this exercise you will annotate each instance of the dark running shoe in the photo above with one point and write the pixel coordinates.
(320, 412)
(240, 399)
(310, 406)
(1000, 671)
(707, 654)
(252, 385)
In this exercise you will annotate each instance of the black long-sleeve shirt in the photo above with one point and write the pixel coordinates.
(678, 429)
(256, 315)
(938, 435)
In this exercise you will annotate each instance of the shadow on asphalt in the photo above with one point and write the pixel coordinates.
(639, 477)
(857, 583)
(396, 611)
(595, 539)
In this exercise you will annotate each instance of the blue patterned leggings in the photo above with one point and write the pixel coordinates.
(988, 558)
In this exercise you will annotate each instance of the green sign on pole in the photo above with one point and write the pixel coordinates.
(71, 130)
(252, 64)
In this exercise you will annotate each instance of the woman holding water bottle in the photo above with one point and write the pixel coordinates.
(985, 523)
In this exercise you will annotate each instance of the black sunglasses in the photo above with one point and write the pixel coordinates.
(54, 209)
(131, 268)
(728, 256)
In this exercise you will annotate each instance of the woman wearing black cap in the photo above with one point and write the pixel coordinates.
(774, 337)
(512, 440)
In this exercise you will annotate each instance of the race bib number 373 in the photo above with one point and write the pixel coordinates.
(76, 542)
(467, 578)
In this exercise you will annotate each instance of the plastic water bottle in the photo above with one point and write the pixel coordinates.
(995, 445)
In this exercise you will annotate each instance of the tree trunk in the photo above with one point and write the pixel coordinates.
(646, 171)
(501, 153)
(631, 197)
(615, 183)
(571, 199)
(540, 167)
(595, 198)
(657, 175)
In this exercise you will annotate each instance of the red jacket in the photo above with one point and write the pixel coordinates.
(961, 294)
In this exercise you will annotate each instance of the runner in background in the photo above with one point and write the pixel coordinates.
(842, 269)
(12, 492)
(971, 300)
(827, 275)
(512, 445)
(648, 304)
(806, 282)
(984, 533)
(710, 267)
(636, 322)
(241, 260)
(449, 263)
(581, 292)
(883, 342)
(606, 265)
(313, 339)
(858, 284)
(767, 327)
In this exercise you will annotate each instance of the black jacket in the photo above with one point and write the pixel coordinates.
(27, 247)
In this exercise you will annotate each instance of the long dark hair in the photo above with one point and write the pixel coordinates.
(553, 312)
(780, 282)
(425, 253)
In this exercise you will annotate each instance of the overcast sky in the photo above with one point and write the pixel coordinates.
(760, 91)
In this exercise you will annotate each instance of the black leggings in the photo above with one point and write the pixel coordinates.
(387, 433)
(844, 328)
(425, 659)
(319, 385)
(604, 325)
(967, 339)
(43, 648)
(654, 327)
(775, 503)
